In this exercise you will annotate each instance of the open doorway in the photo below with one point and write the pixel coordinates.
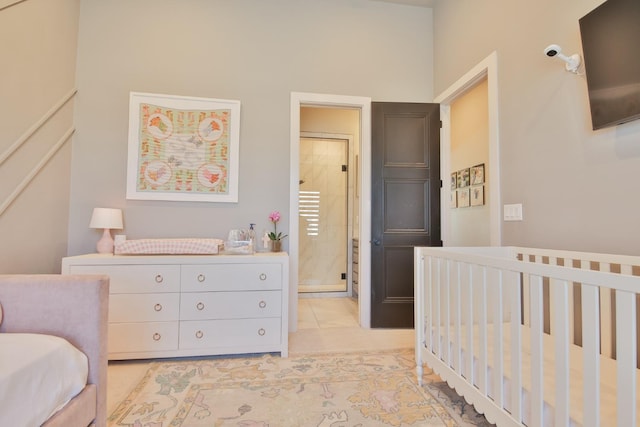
(363, 107)
(486, 70)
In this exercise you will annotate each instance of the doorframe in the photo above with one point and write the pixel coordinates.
(487, 68)
(300, 99)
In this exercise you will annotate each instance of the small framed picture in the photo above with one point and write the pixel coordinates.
(463, 178)
(453, 200)
(477, 195)
(463, 197)
(454, 181)
(477, 174)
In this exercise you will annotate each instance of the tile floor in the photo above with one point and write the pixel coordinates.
(324, 325)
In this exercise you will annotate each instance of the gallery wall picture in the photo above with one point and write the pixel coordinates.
(477, 195)
(454, 181)
(463, 178)
(463, 197)
(183, 148)
(453, 200)
(477, 174)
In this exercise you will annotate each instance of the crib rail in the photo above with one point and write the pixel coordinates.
(470, 301)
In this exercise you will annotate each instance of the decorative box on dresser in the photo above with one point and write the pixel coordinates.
(192, 305)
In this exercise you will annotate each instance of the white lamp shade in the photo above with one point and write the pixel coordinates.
(106, 218)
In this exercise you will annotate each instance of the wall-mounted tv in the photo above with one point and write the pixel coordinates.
(611, 46)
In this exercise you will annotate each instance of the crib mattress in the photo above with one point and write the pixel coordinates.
(39, 374)
(576, 392)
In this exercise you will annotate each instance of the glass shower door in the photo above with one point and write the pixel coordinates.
(323, 215)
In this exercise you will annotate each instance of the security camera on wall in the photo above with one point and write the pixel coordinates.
(572, 62)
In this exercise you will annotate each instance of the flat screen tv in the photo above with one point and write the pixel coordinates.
(611, 46)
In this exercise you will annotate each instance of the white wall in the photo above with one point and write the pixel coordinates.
(38, 42)
(254, 51)
(578, 187)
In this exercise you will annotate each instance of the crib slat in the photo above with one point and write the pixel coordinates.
(446, 306)
(482, 374)
(498, 341)
(537, 390)
(471, 376)
(626, 357)
(512, 282)
(437, 327)
(590, 350)
(457, 301)
(560, 331)
(606, 324)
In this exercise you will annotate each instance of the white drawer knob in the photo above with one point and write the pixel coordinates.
(156, 337)
(262, 304)
(157, 307)
(200, 306)
(261, 332)
(201, 278)
(159, 278)
(263, 276)
(199, 334)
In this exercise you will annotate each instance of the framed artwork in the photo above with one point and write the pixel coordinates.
(463, 197)
(477, 195)
(453, 200)
(477, 174)
(454, 181)
(463, 178)
(183, 148)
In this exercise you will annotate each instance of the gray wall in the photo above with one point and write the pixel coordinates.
(254, 51)
(578, 186)
(38, 43)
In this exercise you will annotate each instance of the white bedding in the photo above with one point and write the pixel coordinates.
(39, 374)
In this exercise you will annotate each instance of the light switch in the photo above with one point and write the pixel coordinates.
(513, 212)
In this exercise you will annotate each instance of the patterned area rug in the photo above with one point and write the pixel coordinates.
(337, 390)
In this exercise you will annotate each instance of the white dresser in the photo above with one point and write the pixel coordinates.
(192, 305)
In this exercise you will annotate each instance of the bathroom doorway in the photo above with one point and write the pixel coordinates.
(326, 202)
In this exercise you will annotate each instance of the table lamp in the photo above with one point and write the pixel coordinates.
(107, 219)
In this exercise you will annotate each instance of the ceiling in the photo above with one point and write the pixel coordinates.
(423, 3)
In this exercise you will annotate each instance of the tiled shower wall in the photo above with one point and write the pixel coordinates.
(323, 215)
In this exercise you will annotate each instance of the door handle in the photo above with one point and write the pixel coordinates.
(376, 242)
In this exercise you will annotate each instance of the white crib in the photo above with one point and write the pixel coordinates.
(504, 327)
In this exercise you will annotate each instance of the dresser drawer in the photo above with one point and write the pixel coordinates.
(231, 277)
(150, 336)
(229, 333)
(144, 307)
(135, 278)
(230, 305)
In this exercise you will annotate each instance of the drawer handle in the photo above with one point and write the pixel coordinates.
(200, 306)
(157, 336)
(261, 332)
(262, 304)
(263, 276)
(157, 307)
(201, 278)
(159, 278)
(199, 334)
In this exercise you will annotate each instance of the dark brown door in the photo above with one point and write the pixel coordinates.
(405, 204)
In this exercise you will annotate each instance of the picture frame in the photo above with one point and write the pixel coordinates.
(477, 174)
(183, 148)
(453, 200)
(463, 178)
(477, 195)
(463, 197)
(454, 181)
